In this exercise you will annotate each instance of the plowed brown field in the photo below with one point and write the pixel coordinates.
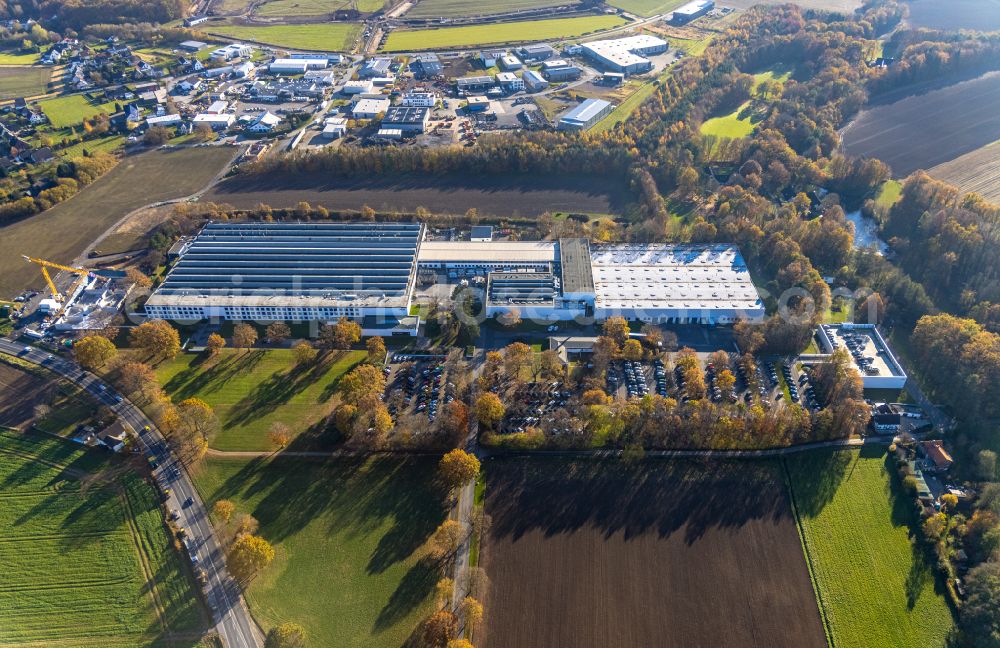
(665, 554)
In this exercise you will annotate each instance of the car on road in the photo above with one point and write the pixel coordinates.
(188, 502)
(26, 350)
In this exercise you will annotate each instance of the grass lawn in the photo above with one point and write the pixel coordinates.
(349, 537)
(106, 144)
(17, 81)
(779, 73)
(733, 125)
(73, 109)
(874, 585)
(646, 7)
(7, 58)
(281, 8)
(319, 36)
(250, 390)
(79, 562)
(464, 8)
(137, 181)
(888, 194)
(512, 32)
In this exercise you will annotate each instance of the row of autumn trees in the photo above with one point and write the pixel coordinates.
(689, 420)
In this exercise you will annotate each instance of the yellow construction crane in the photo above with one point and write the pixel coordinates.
(81, 274)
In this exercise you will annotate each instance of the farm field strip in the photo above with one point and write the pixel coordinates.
(136, 181)
(467, 8)
(875, 587)
(314, 36)
(496, 33)
(647, 8)
(17, 81)
(977, 171)
(965, 118)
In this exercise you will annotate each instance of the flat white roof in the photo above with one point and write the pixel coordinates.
(657, 276)
(621, 51)
(371, 106)
(487, 251)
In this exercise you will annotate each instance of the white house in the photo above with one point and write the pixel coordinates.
(265, 123)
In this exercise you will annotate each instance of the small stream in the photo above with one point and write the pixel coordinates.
(866, 233)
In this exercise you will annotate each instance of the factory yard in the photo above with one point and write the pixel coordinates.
(965, 116)
(63, 232)
(593, 554)
(496, 195)
(349, 536)
(497, 33)
(85, 563)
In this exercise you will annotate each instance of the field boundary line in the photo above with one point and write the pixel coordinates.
(827, 629)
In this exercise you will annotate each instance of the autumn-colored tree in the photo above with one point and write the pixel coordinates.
(157, 338)
(304, 353)
(749, 337)
(604, 351)
(694, 383)
(439, 628)
(341, 335)
(244, 336)
(446, 538)
(653, 335)
(277, 332)
(137, 378)
(456, 420)
(197, 419)
(632, 350)
(279, 434)
(94, 351)
(343, 418)
(248, 555)
(224, 509)
(472, 611)
(489, 409)
(550, 365)
(459, 643)
(949, 502)
(458, 468)
(725, 381)
(214, 344)
(510, 318)
(443, 591)
(247, 525)
(136, 276)
(362, 386)
(286, 635)
(617, 329)
(595, 396)
(516, 360)
(376, 349)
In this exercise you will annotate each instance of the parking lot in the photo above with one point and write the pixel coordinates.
(417, 384)
(531, 402)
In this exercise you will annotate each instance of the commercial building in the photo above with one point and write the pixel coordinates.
(376, 67)
(215, 122)
(562, 73)
(625, 55)
(426, 65)
(294, 66)
(692, 10)
(510, 82)
(585, 115)
(357, 87)
(489, 58)
(474, 84)
(535, 53)
(164, 120)
(533, 81)
(480, 257)
(406, 119)
(420, 99)
(192, 45)
(869, 351)
(231, 51)
(334, 127)
(510, 62)
(481, 233)
(264, 123)
(295, 272)
(477, 103)
(369, 108)
(331, 58)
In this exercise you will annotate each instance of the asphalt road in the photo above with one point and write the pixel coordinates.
(229, 613)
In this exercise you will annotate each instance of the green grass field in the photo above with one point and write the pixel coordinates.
(108, 144)
(7, 58)
(78, 563)
(298, 8)
(16, 81)
(646, 7)
(320, 36)
(348, 535)
(250, 390)
(888, 194)
(464, 8)
(512, 32)
(72, 110)
(732, 125)
(779, 73)
(137, 181)
(874, 585)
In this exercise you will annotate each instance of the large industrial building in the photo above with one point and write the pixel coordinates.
(585, 115)
(368, 272)
(626, 55)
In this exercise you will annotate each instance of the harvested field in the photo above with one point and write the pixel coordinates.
(965, 116)
(978, 171)
(22, 390)
(63, 232)
(18, 81)
(982, 15)
(668, 554)
(494, 196)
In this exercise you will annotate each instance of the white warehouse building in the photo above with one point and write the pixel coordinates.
(626, 55)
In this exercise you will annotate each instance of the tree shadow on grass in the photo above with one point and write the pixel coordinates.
(198, 381)
(816, 477)
(413, 590)
(277, 390)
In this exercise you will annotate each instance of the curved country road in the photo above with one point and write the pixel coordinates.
(229, 613)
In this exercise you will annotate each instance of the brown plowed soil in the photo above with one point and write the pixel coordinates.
(665, 554)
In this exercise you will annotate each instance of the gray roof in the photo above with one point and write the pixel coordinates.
(574, 259)
(358, 262)
(404, 115)
(586, 110)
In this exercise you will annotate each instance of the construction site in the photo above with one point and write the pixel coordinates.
(79, 299)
